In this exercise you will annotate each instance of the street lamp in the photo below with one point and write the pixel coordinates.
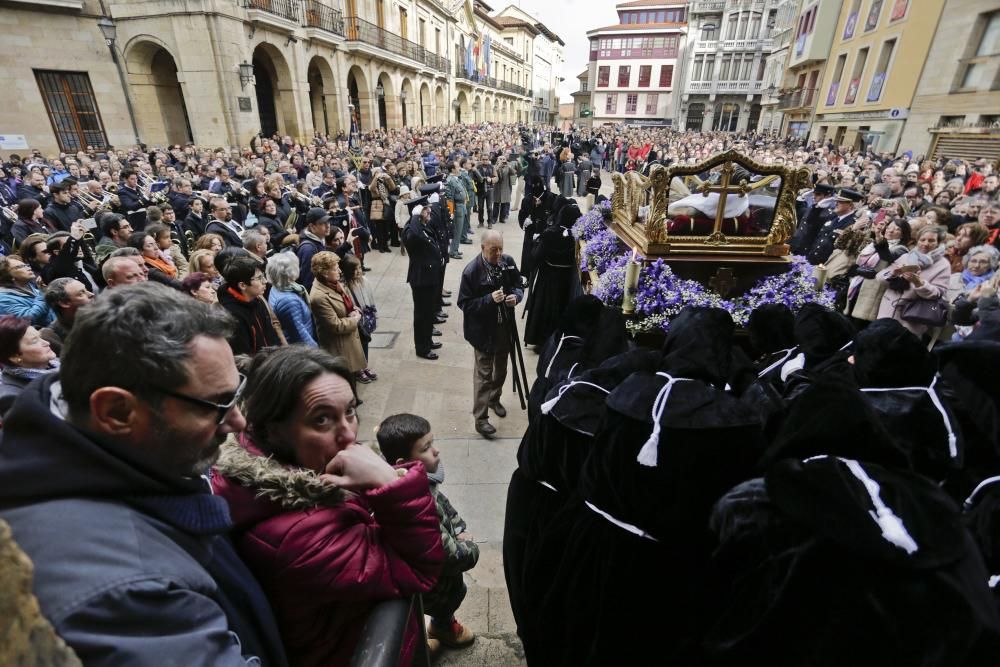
(771, 90)
(380, 90)
(246, 74)
(110, 33)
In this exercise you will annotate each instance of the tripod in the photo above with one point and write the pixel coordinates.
(514, 349)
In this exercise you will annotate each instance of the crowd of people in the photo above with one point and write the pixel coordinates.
(184, 333)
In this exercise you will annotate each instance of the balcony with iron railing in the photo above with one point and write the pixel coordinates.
(802, 97)
(745, 87)
(283, 9)
(359, 30)
(707, 6)
(320, 16)
(489, 81)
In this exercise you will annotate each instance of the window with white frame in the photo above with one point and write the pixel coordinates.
(974, 69)
(652, 101)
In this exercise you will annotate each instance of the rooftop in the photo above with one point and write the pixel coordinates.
(639, 26)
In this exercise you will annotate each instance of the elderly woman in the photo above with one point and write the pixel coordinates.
(980, 271)
(289, 300)
(241, 297)
(336, 315)
(327, 526)
(919, 275)
(24, 355)
(966, 236)
(199, 285)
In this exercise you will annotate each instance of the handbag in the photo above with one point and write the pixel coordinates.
(930, 312)
(377, 210)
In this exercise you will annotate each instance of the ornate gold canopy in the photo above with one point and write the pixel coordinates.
(765, 222)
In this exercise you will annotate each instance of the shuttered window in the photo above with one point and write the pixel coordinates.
(965, 146)
(72, 108)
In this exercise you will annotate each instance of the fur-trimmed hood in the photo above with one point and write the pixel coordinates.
(242, 464)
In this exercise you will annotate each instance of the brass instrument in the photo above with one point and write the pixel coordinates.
(90, 240)
(191, 240)
(302, 197)
(146, 187)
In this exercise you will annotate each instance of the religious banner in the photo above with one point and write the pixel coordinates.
(875, 89)
(851, 25)
(852, 91)
(831, 97)
(873, 15)
(899, 10)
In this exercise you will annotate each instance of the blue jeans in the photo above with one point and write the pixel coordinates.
(460, 224)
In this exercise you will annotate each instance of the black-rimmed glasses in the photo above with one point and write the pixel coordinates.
(223, 408)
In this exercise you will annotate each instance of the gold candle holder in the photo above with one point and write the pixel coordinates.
(631, 283)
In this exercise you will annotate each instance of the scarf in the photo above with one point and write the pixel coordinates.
(166, 267)
(29, 374)
(924, 260)
(971, 282)
(348, 302)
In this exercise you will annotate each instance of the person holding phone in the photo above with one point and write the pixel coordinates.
(922, 273)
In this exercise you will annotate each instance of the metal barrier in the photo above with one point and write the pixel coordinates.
(382, 637)
(319, 15)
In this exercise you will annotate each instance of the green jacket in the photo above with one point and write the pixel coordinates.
(470, 187)
(460, 555)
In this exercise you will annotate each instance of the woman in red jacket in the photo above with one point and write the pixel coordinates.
(326, 525)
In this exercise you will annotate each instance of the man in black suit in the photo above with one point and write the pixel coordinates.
(222, 224)
(132, 203)
(809, 214)
(423, 275)
(832, 222)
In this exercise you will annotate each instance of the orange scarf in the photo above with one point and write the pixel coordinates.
(166, 267)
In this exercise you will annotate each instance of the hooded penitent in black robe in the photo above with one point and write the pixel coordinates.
(898, 377)
(590, 334)
(829, 560)
(557, 277)
(620, 575)
(533, 216)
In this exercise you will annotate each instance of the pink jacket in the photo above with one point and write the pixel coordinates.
(323, 555)
(935, 277)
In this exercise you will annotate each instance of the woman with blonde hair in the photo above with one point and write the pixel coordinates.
(203, 261)
(335, 315)
(210, 241)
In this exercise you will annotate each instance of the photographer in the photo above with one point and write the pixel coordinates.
(505, 175)
(489, 282)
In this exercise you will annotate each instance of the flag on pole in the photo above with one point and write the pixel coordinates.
(486, 56)
(470, 66)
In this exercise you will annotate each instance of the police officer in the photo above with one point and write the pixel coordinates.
(841, 217)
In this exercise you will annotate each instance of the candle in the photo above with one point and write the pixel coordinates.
(819, 273)
(631, 283)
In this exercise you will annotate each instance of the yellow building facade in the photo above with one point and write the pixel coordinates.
(878, 54)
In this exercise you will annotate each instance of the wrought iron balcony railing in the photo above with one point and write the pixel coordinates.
(359, 30)
(286, 9)
(490, 82)
(326, 18)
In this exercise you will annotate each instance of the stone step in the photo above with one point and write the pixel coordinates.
(501, 649)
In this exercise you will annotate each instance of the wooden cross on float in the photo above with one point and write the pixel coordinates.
(723, 189)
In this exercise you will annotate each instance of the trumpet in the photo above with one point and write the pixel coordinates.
(304, 198)
(146, 186)
(191, 241)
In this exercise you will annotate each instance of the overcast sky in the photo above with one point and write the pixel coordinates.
(570, 19)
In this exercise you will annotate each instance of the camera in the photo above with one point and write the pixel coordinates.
(506, 277)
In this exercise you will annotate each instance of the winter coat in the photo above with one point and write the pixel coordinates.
(459, 555)
(325, 556)
(935, 277)
(254, 330)
(506, 176)
(28, 302)
(293, 312)
(479, 311)
(336, 332)
(131, 567)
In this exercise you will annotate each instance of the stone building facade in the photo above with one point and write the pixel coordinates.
(307, 66)
(879, 50)
(728, 46)
(956, 109)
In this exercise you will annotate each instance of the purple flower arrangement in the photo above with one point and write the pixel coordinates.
(592, 222)
(601, 250)
(660, 295)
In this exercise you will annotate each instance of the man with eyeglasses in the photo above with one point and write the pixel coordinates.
(222, 224)
(102, 483)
